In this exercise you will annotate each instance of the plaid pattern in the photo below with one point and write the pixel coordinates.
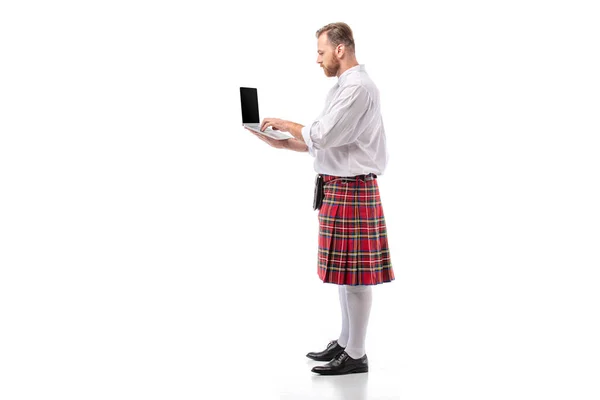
(353, 246)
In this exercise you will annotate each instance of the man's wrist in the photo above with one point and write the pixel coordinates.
(295, 145)
(296, 130)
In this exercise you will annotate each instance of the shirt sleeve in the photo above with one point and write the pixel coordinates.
(309, 144)
(338, 126)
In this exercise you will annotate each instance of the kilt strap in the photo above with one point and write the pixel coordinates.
(330, 178)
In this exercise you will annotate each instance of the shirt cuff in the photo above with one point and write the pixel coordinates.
(307, 140)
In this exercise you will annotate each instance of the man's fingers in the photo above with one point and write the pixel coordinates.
(258, 135)
(269, 122)
(266, 139)
(262, 137)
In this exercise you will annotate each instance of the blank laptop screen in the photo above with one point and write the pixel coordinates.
(249, 105)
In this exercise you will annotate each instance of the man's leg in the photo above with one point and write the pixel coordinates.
(343, 339)
(335, 348)
(359, 299)
(353, 359)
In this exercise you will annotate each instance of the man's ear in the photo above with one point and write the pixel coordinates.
(340, 49)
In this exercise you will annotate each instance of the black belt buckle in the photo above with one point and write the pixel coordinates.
(319, 192)
(367, 177)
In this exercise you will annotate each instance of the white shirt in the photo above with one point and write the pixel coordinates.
(348, 138)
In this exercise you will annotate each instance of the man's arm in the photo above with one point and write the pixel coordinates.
(290, 144)
(339, 126)
(296, 130)
(295, 145)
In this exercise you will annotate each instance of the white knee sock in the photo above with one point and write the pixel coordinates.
(359, 300)
(343, 339)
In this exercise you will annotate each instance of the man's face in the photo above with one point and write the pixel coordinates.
(327, 58)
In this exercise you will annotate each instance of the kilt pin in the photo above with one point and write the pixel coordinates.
(353, 243)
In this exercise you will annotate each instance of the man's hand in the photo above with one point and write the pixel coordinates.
(278, 144)
(284, 126)
(275, 123)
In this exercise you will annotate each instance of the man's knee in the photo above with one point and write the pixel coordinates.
(358, 288)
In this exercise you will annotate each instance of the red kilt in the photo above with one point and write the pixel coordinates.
(353, 246)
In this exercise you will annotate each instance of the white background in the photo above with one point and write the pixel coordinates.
(151, 248)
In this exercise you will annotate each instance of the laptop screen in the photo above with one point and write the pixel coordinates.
(249, 99)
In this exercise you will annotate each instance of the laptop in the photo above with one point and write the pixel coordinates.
(250, 117)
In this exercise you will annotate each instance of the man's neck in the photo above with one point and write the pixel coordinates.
(346, 67)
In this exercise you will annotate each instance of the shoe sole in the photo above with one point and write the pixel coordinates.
(354, 371)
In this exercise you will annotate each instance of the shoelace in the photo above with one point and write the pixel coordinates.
(341, 357)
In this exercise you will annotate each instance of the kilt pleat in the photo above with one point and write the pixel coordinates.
(353, 243)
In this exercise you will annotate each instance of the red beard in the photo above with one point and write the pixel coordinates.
(331, 71)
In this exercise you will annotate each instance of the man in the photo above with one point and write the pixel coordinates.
(349, 146)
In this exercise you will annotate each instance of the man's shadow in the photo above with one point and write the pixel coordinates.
(343, 387)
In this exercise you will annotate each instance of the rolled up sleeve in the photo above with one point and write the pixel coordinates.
(307, 140)
(339, 126)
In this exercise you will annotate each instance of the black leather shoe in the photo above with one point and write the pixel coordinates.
(333, 349)
(343, 364)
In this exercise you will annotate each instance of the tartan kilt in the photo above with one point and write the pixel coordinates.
(353, 245)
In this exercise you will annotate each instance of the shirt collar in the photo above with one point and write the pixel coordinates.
(356, 68)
